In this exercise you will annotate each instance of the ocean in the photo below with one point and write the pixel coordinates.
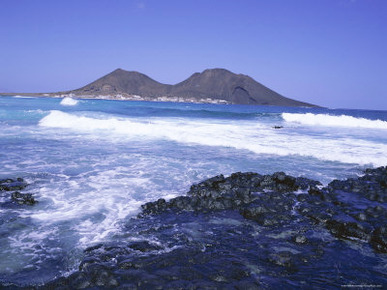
(91, 164)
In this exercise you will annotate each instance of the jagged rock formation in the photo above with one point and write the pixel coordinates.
(16, 197)
(248, 231)
(212, 85)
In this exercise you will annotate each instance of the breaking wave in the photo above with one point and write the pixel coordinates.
(240, 135)
(67, 101)
(333, 121)
(23, 97)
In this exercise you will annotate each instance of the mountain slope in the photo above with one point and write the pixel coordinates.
(214, 84)
(236, 89)
(124, 82)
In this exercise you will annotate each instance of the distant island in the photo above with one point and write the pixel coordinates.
(217, 86)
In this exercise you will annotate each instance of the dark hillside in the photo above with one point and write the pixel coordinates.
(214, 84)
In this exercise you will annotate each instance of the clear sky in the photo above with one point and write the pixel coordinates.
(328, 52)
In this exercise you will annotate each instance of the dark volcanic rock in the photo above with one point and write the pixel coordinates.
(379, 239)
(236, 192)
(348, 230)
(373, 185)
(247, 231)
(23, 198)
(13, 186)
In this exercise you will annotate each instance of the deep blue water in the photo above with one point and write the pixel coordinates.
(92, 163)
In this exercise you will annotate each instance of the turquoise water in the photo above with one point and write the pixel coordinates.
(92, 163)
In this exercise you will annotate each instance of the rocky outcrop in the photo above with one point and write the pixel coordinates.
(23, 198)
(248, 231)
(373, 185)
(238, 192)
(13, 186)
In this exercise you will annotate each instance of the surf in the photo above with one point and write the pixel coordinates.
(327, 120)
(258, 138)
(67, 101)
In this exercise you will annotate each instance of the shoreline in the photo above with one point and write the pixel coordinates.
(247, 231)
(126, 97)
(122, 97)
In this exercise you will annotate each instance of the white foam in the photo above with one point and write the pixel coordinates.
(23, 97)
(244, 135)
(333, 121)
(93, 203)
(67, 101)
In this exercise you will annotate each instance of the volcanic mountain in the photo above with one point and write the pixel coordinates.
(213, 85)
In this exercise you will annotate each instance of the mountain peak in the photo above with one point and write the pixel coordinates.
(216, 70)
(118, 70)
(216, 84)
(121, 71)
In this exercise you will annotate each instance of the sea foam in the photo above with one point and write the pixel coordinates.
(23, 97)
(67, 101)
(241, 135)
(333, 121)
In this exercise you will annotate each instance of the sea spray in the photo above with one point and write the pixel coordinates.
(92, 165)
(241, 135)
(67, 101)
(333, 121)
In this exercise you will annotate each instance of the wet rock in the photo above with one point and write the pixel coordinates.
(248, 231)
(88, 261)
(315, 191)
(361, 217)
(234, 192)
(269, 209)
(376, 215)
(154, 207)
(93, 248)
(372, 185)
(254, 212)
(379, 239)
(211, 183)
(283, 258)
(144, 246)
(23, 198)
(320, 218)
(78, 281)
(100, 276)
(12, 187)
(279, 182)
(305, 183)
(300, 239)
(12, 184)
(348, 230)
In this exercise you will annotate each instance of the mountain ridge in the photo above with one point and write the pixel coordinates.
(216, 85)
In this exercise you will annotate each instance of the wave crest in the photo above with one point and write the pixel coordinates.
(67, 101)
(242, 135)
(333, 121)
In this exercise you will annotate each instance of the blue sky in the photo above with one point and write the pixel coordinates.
(328, 52)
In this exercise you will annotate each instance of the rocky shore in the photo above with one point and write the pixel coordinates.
(249, 231)
(13, 196)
